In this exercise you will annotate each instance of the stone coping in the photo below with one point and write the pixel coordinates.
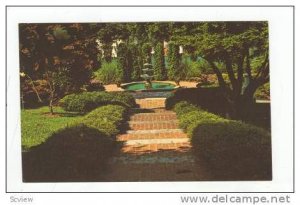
(186, 84)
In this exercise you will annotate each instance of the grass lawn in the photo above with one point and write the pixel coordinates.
(37, 124)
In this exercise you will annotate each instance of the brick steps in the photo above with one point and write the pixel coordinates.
(159, 135)
(152, 110)
(154, 148)
(150, 103)
(154, 125)
(153, 116)
(139, 142)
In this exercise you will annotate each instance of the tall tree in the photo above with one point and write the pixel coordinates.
(62, 54)
(173, 60)
(159, 70)
(237, 45)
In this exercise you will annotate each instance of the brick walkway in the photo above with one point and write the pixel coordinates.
(154, 148)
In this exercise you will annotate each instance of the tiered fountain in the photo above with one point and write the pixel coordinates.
(147, 75)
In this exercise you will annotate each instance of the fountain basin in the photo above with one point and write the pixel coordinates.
(156, 86)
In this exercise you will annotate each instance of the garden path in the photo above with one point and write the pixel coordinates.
(154, 148)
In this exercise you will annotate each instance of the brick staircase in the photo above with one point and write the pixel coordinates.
(154, 148)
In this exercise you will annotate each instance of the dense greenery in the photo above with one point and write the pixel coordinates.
(37, 126)
(87, 101)
(237, 45)
(107, 119)
(69, 147)
(234, 149)
(63, 55)
(173, 61)
(110, 72)
(210, 99)
(77, 152)
(263, 92)
(159, 64)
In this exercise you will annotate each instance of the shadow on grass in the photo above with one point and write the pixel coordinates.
(74, 154)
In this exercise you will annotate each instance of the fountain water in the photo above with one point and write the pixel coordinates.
(147, 75)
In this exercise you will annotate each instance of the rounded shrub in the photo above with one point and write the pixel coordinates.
(87, 101)
(77, 153)
(106, 119)
(235, 150)
(184, 107)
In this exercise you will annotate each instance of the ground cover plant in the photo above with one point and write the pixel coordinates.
(235, 150)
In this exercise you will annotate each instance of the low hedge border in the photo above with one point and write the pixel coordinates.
(107, 119)
(86, 101)
(235, 150)
(78, 152)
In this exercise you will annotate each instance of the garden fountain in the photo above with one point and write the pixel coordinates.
(148, 84)
(147, 75)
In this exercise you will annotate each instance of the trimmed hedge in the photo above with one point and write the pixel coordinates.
(210, 99)
(107, 119)
(76, 153)
(234, 150)
(87, 101)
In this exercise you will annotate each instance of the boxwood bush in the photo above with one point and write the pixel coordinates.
(235, 150)
(106, 119)
(87, 101)
(77, 153)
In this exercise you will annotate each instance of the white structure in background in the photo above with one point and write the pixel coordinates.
(114, 47)
(181, 49)
(116, 43)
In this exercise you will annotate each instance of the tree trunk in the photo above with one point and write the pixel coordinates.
(51, 103)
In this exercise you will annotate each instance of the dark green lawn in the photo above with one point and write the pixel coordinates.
(37, 124)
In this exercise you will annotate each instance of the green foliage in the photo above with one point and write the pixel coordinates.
(87, 101)
(37, 125)
(49, 47)
(173, 61)
(197, 68)
(137, 63)
(77, 153)
(110, 72)
(159, 64)
(107, 119)
(234, 149)
(190, 115)
(125, 58)
(210, 99)
(263, 92)
(146, 52)
(183, 107)
(30, 98)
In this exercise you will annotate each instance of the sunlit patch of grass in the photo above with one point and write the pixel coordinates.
(37, 124)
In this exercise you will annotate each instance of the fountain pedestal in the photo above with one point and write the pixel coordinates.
(147, 75)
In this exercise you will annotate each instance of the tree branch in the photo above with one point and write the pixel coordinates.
(230, 72)
(248, 66)
(264, 69)
(218, 74)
